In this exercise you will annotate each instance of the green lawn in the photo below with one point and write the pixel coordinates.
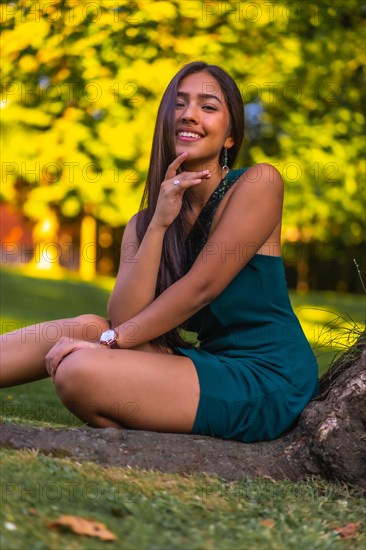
(150, 509)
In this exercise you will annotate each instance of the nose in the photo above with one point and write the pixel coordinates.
(190, 113)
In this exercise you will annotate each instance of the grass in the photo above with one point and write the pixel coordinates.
(331, 321)
(151, 509)
(154, 510)
(26, 300)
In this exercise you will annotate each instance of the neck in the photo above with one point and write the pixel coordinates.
(199, 194)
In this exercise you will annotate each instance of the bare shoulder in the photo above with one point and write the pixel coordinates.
(259, 189)
(133, 221)
(130, 229)
(263, 177)
(130, 243)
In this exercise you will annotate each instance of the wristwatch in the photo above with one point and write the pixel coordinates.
(109, 338)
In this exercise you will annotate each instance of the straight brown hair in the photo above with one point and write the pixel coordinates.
(173, 259)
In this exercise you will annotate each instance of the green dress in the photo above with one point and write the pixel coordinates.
(256, 369)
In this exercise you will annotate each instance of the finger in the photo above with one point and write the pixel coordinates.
(54, 357)
(173, 166)
(57, 360)
(49, 361)
(189, 177)
(65, 350)
(182, 185)
(52, 363)
(48, 366)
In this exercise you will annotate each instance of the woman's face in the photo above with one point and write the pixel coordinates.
(202, 120)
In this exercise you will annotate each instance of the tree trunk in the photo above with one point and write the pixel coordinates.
(303, 269)
(329, 440)
(88, 248)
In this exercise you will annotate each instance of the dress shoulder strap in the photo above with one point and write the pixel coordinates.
(199, 233)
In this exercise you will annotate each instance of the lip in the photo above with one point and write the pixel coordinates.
(186, 138)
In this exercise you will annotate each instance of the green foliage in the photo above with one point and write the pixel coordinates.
(83, 80)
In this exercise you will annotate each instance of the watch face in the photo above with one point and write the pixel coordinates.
(108, 335)
(109, 338)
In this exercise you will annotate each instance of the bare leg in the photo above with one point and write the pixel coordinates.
(22, 351)
(130, 389)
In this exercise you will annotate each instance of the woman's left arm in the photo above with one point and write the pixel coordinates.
(251, 215)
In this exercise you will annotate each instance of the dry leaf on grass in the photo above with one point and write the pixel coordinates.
(267, 523)
(349, 531)
(82, 526)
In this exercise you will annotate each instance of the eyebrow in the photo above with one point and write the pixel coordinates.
(201, 96)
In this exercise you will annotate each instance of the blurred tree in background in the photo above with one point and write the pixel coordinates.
(81, 86)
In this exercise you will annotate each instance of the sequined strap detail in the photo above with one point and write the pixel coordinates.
(199, 233)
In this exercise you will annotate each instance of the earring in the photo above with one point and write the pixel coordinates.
(225, 166)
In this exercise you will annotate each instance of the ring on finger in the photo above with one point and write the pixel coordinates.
(176, 181)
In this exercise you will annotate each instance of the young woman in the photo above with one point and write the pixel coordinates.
(203, 254)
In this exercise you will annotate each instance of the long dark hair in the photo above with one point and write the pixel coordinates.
(173, 259)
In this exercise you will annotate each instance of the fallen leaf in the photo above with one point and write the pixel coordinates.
(349, 531)
(82, 526)
(267, 523)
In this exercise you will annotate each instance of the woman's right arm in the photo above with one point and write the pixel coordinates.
(135, 285)
(138, 271)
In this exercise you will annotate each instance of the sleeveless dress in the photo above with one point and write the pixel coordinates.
(256, 369)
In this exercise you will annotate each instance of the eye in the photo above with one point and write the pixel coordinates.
(209, 107)
(179, 104)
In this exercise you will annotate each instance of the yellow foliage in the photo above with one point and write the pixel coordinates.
(192, 10)
(71, 207)
(95, 75)
(28, 63)
(350, 183)
(62, 74)
(48, 55)
(119, 138)
(156, 11)
(14, 112)
(192, 47)
(23, 36)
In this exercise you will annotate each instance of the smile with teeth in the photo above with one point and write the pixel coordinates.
(189, 135)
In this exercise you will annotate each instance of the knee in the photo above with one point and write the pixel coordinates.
(71, 375)
(90, 326)
(86, 318)
(72, 381)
